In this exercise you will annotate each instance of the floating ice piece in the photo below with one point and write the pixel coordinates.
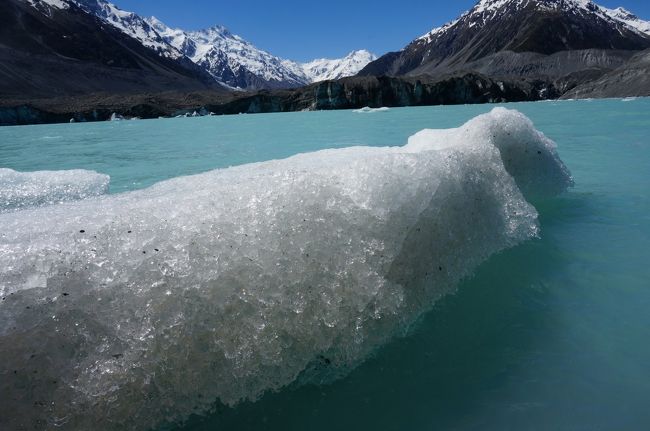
(529, 156)
(629, 99)
(20, 190)
(369, 110)
(150, 305)
(116, 117)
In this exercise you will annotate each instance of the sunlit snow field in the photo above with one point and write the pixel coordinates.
(551, 334)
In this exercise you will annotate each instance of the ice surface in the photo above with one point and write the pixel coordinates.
(529, 156)
(126, 311)
(19, 190)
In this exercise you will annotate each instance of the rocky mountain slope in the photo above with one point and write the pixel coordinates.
(229, 59)
(630, 80)
(129, 23)
(516, 27)
(56, 48)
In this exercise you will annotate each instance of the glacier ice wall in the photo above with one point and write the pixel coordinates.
(126, 311)
(20, 190)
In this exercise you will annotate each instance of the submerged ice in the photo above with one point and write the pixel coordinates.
(131, 310)
(20, 190)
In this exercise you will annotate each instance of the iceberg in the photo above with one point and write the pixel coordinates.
(146, 307)
(20, 190)
(369, 110)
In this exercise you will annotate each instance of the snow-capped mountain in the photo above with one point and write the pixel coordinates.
(228, 58)
(490, 9)
(536, 26)
(239, 64)
(325, 69)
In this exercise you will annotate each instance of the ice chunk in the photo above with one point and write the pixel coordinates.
(369, 110)
(150, 305)
(19, 190)
(529, 156)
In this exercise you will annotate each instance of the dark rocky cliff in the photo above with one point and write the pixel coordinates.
(347, 93)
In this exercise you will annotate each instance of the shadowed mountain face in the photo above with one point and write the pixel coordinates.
(543, 27)
(46, 52)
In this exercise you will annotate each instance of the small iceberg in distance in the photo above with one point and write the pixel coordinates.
(369, 110)
(20, 190)
(629, 99)
(146, 307)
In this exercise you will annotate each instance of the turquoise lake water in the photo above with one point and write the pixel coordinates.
(551, 335)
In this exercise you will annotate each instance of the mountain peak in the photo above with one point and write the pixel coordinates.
(539, 27)
(216, 31)
(324, 69)
(629, 19)
(235, 62)
(155, 22)
(228, 58)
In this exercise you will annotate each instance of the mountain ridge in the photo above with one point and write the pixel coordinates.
(499, 51)
(492, 26)
(230, 59)
(48, 51)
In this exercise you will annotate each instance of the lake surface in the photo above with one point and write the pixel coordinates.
(552, 334)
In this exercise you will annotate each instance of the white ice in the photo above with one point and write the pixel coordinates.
(369, 110)
(125, 311)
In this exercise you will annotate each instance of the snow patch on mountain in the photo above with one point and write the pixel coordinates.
(439, 30)
(131, 24)
(628, 18)
(59, 4)
(45, 6)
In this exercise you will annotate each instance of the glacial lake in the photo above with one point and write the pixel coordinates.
(550, 335)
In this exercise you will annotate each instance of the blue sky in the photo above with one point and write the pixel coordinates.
(303, 30)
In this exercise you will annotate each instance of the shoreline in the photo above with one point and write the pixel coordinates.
(347, 93)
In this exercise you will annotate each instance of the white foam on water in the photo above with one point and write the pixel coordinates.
(20, 190)
(127, 311)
